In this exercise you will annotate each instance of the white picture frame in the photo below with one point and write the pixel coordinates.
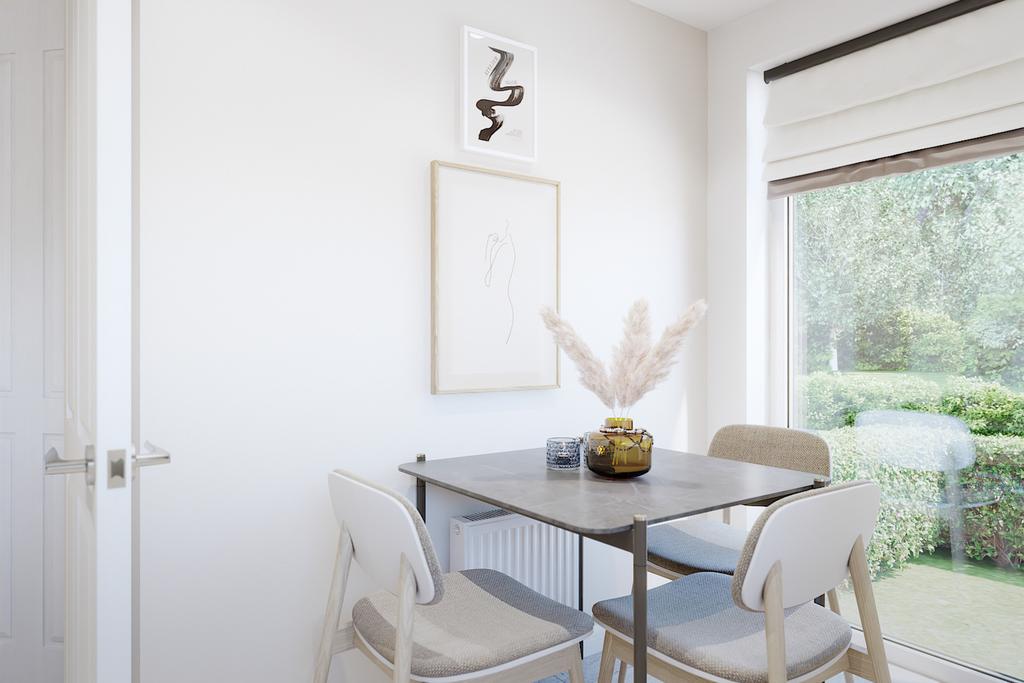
(494, 265)
(499, 96)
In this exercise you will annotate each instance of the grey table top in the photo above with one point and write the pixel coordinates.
(678, 485)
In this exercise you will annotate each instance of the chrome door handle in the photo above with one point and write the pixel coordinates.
(151, 455)
(57, 465)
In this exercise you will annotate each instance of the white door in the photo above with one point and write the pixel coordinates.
(31, 339)
(99, 341)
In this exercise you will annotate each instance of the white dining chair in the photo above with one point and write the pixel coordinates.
(761, 625)
(473, 625)
(705, 545)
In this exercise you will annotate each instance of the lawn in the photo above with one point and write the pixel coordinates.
(973, 614)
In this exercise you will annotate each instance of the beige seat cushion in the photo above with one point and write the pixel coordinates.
(701, 545)
(485, 619)
(694, 621)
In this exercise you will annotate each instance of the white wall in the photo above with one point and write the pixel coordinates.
(285, 244)
(746, 248)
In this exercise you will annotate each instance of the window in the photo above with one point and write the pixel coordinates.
(907, 355)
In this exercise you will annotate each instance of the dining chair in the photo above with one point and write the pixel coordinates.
(704, 545)
(761, 624)
(473, 625)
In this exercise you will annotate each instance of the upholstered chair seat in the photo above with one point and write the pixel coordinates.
(485, 619)
(694, 622)
(474, 625)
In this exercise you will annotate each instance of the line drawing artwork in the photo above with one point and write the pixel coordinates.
(492, 249)
(515, 95)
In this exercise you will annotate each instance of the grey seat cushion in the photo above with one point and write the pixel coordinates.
(694, 620)
(695, 545)
(484, 619)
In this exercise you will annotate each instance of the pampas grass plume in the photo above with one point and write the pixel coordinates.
(592, 371)
(637, 365)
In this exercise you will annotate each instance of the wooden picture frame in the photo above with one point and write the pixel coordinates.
(495, 243)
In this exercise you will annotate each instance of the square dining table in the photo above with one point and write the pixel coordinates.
(616, 512)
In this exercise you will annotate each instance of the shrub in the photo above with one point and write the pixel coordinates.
(988, 409)
(882, 344)
(936, 343)
(833, 400)
(911, 339)
(996, 532)
(906, 525)
(996, 332)
(909, 521)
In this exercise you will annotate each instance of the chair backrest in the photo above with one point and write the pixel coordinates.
(811, 535)
(383, 525)
(791, 449)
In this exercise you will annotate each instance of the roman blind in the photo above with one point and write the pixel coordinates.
(957, 80)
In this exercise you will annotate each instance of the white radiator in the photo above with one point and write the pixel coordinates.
(539, 555)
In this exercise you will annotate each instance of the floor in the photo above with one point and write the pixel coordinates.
(592, 664)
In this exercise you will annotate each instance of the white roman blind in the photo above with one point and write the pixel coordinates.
(957, 80)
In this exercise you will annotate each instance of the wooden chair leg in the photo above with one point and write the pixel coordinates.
(622, 671)
(575, 666)
(335, 599)
(406, 612)
(868, 612)
(775, 626)
(833, 602)
(604, 675)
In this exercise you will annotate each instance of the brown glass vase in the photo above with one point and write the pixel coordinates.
(619, 451)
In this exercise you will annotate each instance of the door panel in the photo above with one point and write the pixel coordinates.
(99, 333)
(31, 338)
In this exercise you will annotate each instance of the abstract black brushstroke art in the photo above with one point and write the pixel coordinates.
(515, 95)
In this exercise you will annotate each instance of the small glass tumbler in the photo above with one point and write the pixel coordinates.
(563, 453)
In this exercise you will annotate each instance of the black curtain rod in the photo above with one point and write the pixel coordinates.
(935, 16)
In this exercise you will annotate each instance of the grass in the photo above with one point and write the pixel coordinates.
(972, 614)
(941, 559)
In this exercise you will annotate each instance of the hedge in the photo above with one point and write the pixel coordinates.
(833, 400)
(909, 522)
(996, 532)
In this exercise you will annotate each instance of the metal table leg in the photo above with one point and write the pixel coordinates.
(579, 579)
(421, 490)
(639, 598)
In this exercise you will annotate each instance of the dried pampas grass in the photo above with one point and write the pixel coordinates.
(631, 353)
(592, 371)
(637, 365)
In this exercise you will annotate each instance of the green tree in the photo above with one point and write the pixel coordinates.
(940, 245)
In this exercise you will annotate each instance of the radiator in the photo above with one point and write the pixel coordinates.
(541, 556)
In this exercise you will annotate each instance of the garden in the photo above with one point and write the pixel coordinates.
(908, 297)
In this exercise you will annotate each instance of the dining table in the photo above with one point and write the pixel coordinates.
(616, 512)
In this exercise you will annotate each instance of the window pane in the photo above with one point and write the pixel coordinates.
(908, 357)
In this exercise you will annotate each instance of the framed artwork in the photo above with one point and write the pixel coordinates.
(499, 96)
(494, 265)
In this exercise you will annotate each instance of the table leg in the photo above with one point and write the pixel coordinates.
(639, 598)
(421, 490)
(579, 580)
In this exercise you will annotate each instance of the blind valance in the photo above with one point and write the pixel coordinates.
(958, 80)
